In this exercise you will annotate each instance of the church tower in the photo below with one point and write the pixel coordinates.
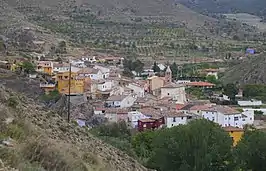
(168, 75)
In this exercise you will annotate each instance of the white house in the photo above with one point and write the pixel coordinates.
(120, 101)
(134, 116)
(94, 74)
(105, 71)
(250, 103)
(224, 116)
(78, 63)
(251, 109)
(105, 85)
(174, 118)
(175, 91)
(212, 72)
(137, 89)
(248, 116)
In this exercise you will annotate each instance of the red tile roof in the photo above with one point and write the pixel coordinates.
(200, 84)
(179, 106)
(234, 129)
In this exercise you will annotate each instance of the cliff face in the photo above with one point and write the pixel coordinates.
(33, 136)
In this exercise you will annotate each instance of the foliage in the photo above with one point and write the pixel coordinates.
(230, 90)
(12, 102)
(136, 65)
(119, 129)
(257, 91)
(52, 96)
(212, 79)
(250, 152)
(197, 92)
(142, 143)
(28, 67)
(174, 70)
(155, 67)
(200, 145)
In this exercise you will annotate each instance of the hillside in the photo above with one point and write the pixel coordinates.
(256, 7)
(250, 71)
(42, 140)
(117, 10)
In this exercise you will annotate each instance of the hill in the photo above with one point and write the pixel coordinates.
(249, 71)
(42, 140)
(255, 7)
(117, 10)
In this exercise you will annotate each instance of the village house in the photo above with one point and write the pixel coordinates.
(93, 74)
(121, 101)
(224, 116)
(235, 133)
(137, 89)
(116, 115)
(101, 88)
(211, 72)
(150, 123)
(154, 83)
(45, 67)
(175, 91)
(77, 83)
(134, 116)
(104, 70)
(175, 118)
(60, 67)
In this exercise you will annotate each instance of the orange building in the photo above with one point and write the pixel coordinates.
(77, 84)
(45, 67)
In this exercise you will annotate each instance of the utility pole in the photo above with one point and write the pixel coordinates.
(69, 89)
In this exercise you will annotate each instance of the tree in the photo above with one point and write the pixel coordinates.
(174, 69)
(211, 79)
(250, 152)
(155, 67)
(231, 91)
(28, 67)
(142, 144)
(137, 66)
(201, 145)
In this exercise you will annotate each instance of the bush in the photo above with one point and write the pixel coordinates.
(12, 102)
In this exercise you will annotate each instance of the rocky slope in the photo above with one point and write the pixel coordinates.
(42, 140)
(250, 71)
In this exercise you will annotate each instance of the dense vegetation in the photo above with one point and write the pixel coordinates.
(200, 145)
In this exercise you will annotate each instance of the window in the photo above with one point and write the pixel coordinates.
(168, 94)
(236, 118)
(225, 124)
(229, 118)
(212, 118)
(174, 119)
(144, 125)
(250, 118)
(182, 118)
(172, 124)
(243, 119)
(225, 118)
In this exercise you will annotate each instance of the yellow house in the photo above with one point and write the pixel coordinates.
(45, 67)
(76, 83)
(235, 133)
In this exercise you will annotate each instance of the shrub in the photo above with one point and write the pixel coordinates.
(12, 102)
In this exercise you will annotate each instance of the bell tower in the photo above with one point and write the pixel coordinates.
(168, 75)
